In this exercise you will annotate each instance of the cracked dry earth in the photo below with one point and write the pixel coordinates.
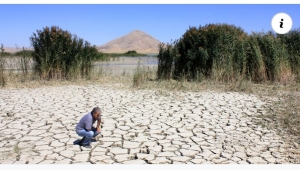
(139, 127)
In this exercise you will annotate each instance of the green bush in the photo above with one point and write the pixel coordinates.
(24, 52)
(226, 53)
(57, 51)
(208, 50)
(131, 52)
(6, 54)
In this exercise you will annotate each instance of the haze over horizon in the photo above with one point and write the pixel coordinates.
(99, 24)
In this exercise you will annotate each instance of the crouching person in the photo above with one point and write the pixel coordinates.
(85, 127)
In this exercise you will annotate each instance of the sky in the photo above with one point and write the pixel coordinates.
(101, 23)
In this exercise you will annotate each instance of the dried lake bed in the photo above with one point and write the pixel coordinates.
(37, 125)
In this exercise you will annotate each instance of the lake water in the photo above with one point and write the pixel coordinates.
(115, 66)
(126, 64)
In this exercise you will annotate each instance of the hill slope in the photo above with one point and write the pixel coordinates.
(136, 40)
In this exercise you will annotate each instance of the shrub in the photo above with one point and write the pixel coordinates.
(226, 53)
(141, 75)
(131, 52)
(203, 51)
(57, 51)
(24, 61)
(165, 61)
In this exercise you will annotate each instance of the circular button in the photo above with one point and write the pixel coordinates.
(282, 23)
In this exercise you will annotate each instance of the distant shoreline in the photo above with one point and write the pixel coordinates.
(14, 49)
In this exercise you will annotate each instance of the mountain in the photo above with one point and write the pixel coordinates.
(136, 40)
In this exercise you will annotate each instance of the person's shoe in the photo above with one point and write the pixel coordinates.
(76, 142)
(87, 146)
(93, 140)
(81, 141)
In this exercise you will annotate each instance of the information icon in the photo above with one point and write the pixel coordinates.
(282, 23)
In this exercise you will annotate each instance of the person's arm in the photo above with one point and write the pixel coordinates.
(88, 126)
(98, 125)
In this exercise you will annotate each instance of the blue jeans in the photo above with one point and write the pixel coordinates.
(88, 135)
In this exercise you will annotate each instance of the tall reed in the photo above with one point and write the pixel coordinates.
(2, 65)
(57, 51)
(165, 61)
(291, 42)
(24, 63)
(226, 53)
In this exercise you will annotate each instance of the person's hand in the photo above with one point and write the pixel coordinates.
(98, 129)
